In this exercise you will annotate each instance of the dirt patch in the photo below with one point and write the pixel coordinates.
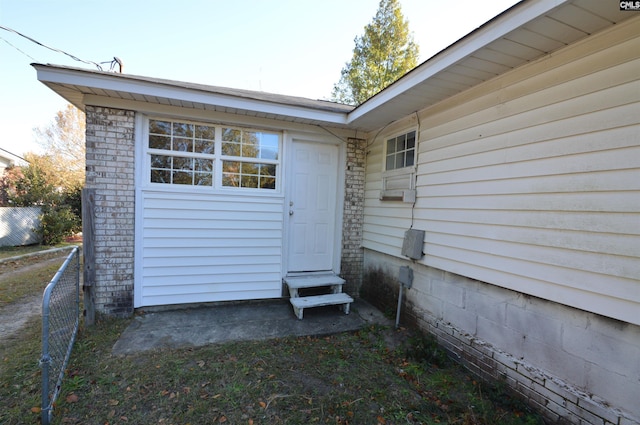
(9, 269)
(14, 315)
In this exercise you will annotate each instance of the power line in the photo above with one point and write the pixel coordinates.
(26, 54)
(51, 48)
(11, 153)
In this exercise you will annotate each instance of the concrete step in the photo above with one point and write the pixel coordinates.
(300, 303)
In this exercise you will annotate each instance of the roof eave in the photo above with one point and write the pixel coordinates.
(499, 26)
(69, 84)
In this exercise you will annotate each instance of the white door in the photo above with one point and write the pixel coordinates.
(312, 206)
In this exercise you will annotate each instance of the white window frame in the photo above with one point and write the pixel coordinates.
(217, 158)
(249, 159)
(399, 184)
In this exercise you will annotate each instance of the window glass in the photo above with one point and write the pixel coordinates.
(248, 174)
(159, 127)
(411, 140)
(183, 153)
(204, 139)
(167, 138)
(182, 145)
(247, 145)
(400, 151)
(159, 142)
(182, 129)
(250, 144)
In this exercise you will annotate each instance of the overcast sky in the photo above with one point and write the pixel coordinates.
(294, 47)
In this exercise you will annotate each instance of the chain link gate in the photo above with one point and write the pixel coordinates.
(60, 323)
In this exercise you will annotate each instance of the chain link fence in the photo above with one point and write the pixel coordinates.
(60, 323)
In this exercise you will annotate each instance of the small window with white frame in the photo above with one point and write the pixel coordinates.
(400, 151)
(217, 156)
(398, 178)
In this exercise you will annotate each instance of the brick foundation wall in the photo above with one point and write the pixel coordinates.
(110, 157)
(573, 366)
(352, 253)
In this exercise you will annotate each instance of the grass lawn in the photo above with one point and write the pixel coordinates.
(374, 376)
(23, 277)
(13, 251)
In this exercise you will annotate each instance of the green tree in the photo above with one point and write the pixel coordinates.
(27, 186)
(31, 186)
(383, 54)
(52, 181)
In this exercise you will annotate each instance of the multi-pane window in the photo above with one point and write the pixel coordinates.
(401, 151)
(249, 158)
(181, 153)
(204, 155)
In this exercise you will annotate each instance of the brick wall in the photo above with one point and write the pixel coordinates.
(575, 367)
(110, 171)
(351, 257)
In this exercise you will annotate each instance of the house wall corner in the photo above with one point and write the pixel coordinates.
(110, 165)
(353, 219)
(572, 366)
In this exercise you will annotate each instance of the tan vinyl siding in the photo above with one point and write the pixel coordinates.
(203, 248)
(532, 180)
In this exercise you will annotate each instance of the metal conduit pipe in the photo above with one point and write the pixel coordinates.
(405, 278)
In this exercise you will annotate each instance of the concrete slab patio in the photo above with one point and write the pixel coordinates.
(203, 325)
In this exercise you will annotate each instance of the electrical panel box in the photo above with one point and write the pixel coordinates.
(405, 277)
(412, 244)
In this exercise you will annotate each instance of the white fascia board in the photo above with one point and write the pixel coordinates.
(48, 74)
(521, 14)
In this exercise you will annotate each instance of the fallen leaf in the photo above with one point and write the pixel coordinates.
(222, 419)
(263, 404)
(381, 420)
(36, 409)
(250, 421)
(72, 398)
(113, 402)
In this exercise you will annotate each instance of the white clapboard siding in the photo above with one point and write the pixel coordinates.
(205, 248)
(531, 181)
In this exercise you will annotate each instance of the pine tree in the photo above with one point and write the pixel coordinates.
(383, 54)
